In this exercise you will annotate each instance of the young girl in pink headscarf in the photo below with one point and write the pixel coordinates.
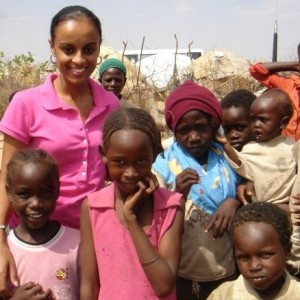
(195, 166)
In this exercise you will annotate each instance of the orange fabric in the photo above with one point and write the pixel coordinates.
(290, 85)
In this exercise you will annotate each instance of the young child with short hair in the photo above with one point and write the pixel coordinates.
(261, 235)
(112, 76)
(236, 117)
(130, 230)
(270, 161)
(44, 251)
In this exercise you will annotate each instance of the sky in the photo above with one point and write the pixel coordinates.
(242, 26)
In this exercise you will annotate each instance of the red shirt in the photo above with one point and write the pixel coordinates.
(290, 85)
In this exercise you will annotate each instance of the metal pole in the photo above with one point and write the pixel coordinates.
(275, 42)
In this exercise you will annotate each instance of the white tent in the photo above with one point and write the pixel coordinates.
(159, 68)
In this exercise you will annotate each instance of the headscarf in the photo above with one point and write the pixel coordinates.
(190, 96)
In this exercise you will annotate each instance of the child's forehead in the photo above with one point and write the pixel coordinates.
(127, 136)
(269, 102)
(236, 111)
(262, 229)
(34, 168)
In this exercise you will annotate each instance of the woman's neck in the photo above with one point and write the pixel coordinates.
(69, 92)
(79, 97)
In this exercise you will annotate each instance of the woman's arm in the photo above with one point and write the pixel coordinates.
(160, 266)
(89, 276)
(7, 265)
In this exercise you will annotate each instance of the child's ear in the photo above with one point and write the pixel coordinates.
(102, 153)
(284, 122)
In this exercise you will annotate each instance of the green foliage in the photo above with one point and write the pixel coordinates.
(19, 73)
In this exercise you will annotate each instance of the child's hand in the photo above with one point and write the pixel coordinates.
(244, 191)
(221, 219)
(185, 180)
(31, 291)
(221, 139)
(295, 210)
(146, 188)
(7, 270)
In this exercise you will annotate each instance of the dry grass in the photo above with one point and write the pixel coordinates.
(17, 74)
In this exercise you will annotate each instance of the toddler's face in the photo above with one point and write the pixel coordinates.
(266, 119)
(237, 126)
(260, 256)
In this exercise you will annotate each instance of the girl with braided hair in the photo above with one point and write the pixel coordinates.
(130, 230)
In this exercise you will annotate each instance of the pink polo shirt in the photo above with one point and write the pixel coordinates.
(38, 118)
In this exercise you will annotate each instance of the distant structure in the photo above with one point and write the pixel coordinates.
(275, 42)
(135, 55)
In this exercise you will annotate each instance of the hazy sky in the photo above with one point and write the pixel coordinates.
(245, 27)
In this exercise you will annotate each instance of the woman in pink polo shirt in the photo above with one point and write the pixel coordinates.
(63, 116)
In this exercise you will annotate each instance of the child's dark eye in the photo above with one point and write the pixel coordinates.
(118, 162)
(182, 131)
(48, 194)
(240, 128)
(242, 257)
(143, 161)
(263, 120)
(266, 255)
(23, 195)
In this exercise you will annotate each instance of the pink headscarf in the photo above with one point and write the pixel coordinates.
(190, 96)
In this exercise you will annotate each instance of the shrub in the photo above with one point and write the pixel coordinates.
(19, 73)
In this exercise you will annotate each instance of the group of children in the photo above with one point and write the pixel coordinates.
(167, 223)
(141, 241)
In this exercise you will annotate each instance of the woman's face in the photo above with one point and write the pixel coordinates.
(76, 47)
(194, 133)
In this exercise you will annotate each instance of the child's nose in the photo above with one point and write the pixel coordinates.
(35, 202)
(194, 135)
(233, 134)
(254, 265)
(131, 172)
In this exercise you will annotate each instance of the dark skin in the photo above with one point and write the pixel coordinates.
(76, 45)
(31, 291)
(267, 123)
(129, 157)
(261, 257)
(113, 80)
(33, 194)
(195, 133)
(237, 126)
